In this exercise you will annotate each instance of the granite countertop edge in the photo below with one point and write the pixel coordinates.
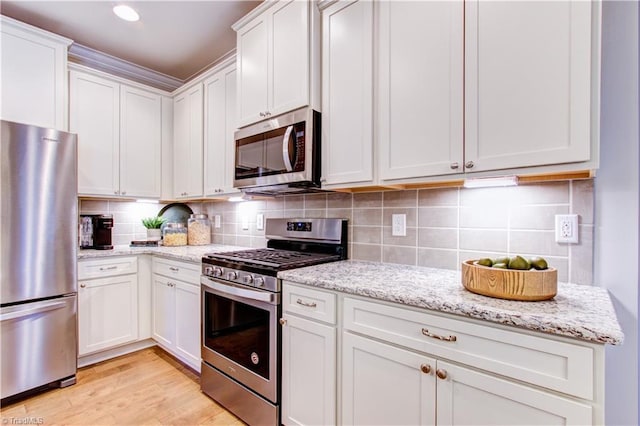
(185, 253)
(577, 311)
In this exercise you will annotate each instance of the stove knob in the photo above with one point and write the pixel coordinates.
(259, 281)
(248, 279)
(208, 270)
(217, 271)
(232, 275)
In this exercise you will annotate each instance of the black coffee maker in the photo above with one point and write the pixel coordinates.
(95, 231)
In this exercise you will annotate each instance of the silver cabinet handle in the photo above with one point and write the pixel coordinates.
(115, 192)
(427, 333)
(469, 164)
(454, 166)
(174, 269)
(307, 304)
(83, 285)
(124, 192)
(108, 268)
(262, 114)
(171, 284)
(32, 311)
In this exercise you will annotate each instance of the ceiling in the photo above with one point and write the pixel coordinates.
(176, 38)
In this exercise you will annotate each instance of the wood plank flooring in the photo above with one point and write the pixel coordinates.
(148, 387)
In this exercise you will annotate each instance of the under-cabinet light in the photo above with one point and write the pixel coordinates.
(126, 12)
(236, 199)
(487, 182)
(147, 201)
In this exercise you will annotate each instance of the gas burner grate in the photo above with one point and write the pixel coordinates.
(273, 258)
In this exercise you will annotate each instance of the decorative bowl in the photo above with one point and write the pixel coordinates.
(511, 284)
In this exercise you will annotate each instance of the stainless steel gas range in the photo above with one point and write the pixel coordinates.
(241, 354)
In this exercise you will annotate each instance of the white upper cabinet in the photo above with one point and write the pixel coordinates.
(94, 114)
(529, 84)
(275, 46)
(188, 142)
(34, 75)
(420, 88)
(347, 93)
(119, 137)
(140, 142)
(459, 87)
(219, 126)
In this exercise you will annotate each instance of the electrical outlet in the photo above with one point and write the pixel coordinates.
(567, 228)
(216, 221)
(260, 222)
(399, 225)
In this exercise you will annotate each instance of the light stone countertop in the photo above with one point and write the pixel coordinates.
(186, 253)
(578, 311)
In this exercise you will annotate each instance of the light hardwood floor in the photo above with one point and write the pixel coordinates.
(148, 387)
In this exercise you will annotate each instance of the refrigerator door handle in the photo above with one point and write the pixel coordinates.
(32, 311)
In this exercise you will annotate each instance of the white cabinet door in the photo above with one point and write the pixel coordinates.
(420, 88)
(187, 140)
(347, 92)
(385, 385)
(95, 117)
(107, 313)
(308, 372)
(187, 322)
(289, 56)
(253, 79)
(34, 75)
(528, 83)
(469, 397)
(274, 61)
(163, 319)
(219, 127)
(140, 142)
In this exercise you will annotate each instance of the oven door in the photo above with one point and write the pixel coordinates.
(240, 334)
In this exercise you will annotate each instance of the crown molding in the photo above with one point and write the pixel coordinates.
(95, 59)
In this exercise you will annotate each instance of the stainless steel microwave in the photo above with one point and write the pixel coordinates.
(280, 155)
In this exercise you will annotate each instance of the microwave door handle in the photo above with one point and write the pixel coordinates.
(285, 149)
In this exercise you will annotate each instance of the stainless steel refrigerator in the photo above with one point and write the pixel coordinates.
(38, 239)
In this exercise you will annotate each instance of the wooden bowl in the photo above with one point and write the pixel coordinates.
(510, 284)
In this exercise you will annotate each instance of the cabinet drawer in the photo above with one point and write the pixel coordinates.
(184, 271)
(309, 303)
(545, 362)
(100, 268)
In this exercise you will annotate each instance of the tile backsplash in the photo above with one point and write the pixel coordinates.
(445, 226)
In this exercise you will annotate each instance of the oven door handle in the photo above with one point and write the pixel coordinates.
(261, 296)
(285, 149)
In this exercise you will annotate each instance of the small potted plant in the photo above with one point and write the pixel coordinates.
(153, 225)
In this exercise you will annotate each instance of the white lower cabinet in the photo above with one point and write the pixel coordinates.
(308, 357)
(107, 304)
(391, 364)
(384, 385)
(175, 323)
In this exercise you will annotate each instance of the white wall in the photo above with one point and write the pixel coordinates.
(617, 205)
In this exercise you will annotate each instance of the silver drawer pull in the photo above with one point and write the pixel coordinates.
(308, 305)
(174, 269)
(427, 333)
(108, 268)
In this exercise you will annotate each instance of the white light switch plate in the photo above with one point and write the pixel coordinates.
(260, 222)
(399, 225)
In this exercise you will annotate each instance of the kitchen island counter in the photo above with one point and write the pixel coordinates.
(578, 311)
(186, 253)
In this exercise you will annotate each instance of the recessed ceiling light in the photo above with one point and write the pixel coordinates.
(126, 12)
